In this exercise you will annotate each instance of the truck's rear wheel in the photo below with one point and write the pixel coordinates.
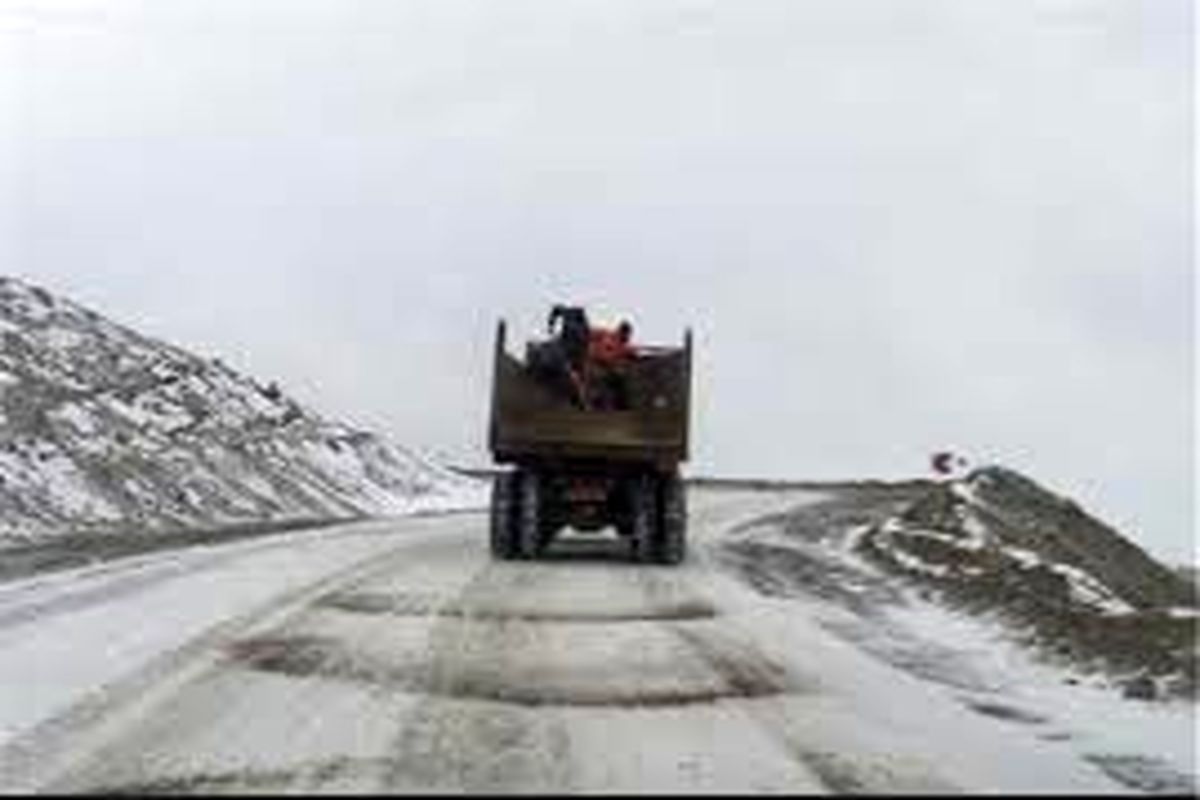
(504, 517)
(529, 528)
(643, 509)
(673, 520)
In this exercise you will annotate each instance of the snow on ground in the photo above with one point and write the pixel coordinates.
(64, 634)
(749, 692)
(1084, 588)
(1081, 715)
(1064, 720)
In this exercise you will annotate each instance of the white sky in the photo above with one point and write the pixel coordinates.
(894, 226)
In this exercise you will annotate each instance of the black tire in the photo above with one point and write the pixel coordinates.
(672, 520)
(529, 527)
(643, 509)
(504, 516)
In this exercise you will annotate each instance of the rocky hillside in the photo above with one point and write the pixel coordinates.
(1028, 565)
(104, 430)
(996, 541)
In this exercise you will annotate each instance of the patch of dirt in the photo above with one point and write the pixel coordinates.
(1147, 644)
(805, 563)
(1036, 604)
(323, 657)
(839, 774)
(298, 655)
(390, 603)
(1144, 774)
(1006, 712)
(778, 570)
(926, 660)
(854, 776)
(744, 667)
(799, 560)
(405, 605)
(575, 697)
(850, 508)
(310, 776)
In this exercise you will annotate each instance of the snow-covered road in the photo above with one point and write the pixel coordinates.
(397, 656)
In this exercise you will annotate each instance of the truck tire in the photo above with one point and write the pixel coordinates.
(504, 517)
(643, 508)
(529, 515)
(673, 520)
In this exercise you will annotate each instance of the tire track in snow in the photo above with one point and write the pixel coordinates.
(481, 676)
(40, 756)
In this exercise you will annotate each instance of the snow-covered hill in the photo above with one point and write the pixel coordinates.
(105, 430)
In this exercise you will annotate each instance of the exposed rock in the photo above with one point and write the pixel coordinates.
(1142, 687)
(998, 542)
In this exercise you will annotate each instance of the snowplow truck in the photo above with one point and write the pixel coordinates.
(564, 466)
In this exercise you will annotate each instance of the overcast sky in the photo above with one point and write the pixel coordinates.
(893, 226)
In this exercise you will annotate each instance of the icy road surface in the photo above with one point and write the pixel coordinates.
(396, 656)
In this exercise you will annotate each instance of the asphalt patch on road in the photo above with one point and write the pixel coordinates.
(574, 697)
(327, 658)
(407, 605)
